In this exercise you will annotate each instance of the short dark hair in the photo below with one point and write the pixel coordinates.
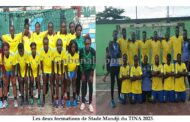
(70, 44)
(33, 44)
(71, 23)
(169, 55)
(37, 23)
(78, 25)
(20, 46)
(123, 29)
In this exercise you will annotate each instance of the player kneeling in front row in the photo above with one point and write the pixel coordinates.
(180, 74)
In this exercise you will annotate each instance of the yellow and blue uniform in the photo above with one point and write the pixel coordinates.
(157, 85)
(126, 84)
(136, 86)
(72, 63)
(34, 62)
(180, 88)
(169, 85)
(47, 58)
(166, 49)
(13, 43)
(176, 44)
(9, 63)
(22, 62)
(38, 39)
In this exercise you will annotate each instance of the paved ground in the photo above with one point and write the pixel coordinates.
(103, 102)
(47, 109)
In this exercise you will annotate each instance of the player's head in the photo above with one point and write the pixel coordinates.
(114, 35)
(73, 47)
(11, 30)
(133, 36)
(37, 27)
(179, 58)
(124, 58)
(144, 35)
(26, 26)
(155, 35)
(168, 58)
(145, 59)
(50, 27)
(78, 30)
(21, 48)
(185, 33)
(59, 45)
(167, 36)
(63, 28)
(157, 60)
(6, 49)
(177, 30)
(87, 43)
(46, 43)
(72, 27)
(136, 60)
(124, 32)
(33, 48)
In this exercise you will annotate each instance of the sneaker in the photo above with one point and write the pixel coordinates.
(74, 103)
(5, 104)
(1, 104)
(68, 103)
(22, 102)
(19, 94)
(31, 101)
(61, 102)
(113, 105)
(39, 102)
(15, 103)
(78, 99)
(36, 93)
(90, 107)
(82, 106)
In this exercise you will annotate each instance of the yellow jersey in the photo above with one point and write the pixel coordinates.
(136, 86)
(58, 58)
(27, 41)
(52, 41)
(133, 50)
(145, 48)
(155, 46)
(13, 43)
(22, 62)
(180, 82)
(168, 82)
(176, 44)
(157, 84)
(9, 62)
(38, 39)
(166, 48)
(34, 62)
(72, 62)
(126, 84)
(47, 58)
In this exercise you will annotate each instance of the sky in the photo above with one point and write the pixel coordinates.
(152, 12)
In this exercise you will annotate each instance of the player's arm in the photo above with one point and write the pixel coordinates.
(61, 67)
(42, 66)
(38, 70)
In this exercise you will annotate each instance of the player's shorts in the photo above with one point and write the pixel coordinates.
(180, 96)
(158, 96)
(169, 96)
(71, 75)
(9, 73)
(136, 98)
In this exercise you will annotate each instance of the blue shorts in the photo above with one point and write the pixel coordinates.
(169, 96)
(136, 98)
(71, 75)
(180, 96)
(9, 73)
(158, 96)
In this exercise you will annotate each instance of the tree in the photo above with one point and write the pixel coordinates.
(111, 13)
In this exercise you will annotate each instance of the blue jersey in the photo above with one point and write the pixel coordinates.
(185, 51)
(146, 77)
(115, 52)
